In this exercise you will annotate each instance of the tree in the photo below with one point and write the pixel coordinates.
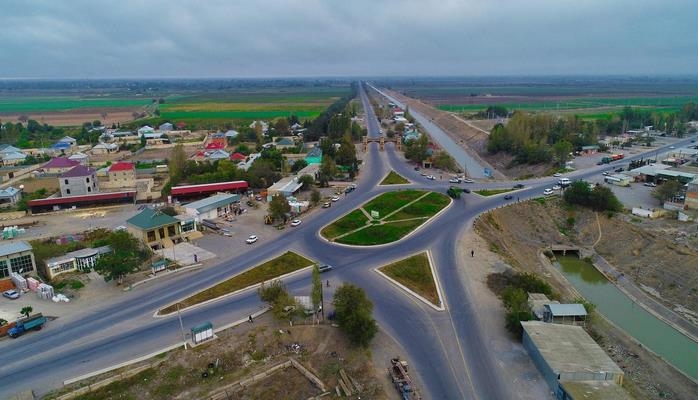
(279, 207)
(416, 150)
(26, 311)
(299, 165)
(353, 312)
(127, 256)
(562, 150)
(307, 181)
(276, 295)
(346, 155)
(328, 170)
(178, 160)
(316, 294)
(444, 161)
(315, 196)
(667, 191)
(282, 127)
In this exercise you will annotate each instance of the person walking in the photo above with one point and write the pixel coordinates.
(472, 253)
(250, 319)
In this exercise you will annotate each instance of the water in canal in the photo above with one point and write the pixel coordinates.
(652, 332)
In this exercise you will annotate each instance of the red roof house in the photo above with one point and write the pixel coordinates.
(238, 157)
(121, 166)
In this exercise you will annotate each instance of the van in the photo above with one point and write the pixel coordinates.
(564, 182)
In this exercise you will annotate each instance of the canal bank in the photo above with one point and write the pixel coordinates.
(645, 327)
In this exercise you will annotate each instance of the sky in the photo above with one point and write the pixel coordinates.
(294, 38)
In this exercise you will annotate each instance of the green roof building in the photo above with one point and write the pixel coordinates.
(156, 229)
(314, 156)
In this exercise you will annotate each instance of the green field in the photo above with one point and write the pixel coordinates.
(393, 178)
(45, 104)
(415, 273)
(285, 263)
(400, 213)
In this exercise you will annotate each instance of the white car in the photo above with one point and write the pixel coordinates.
(11, 294)
(295, 222)
(431, 177)
(556, 187)
(548, 192)
(650, 184)
(454, 180)
(557, 174)
(466, 180)
(335, 198)
(251, 239)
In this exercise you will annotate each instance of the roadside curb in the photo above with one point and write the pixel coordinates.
(415, 294)
(188, 267)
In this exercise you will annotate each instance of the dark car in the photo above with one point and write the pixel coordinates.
(325, 268)
(508, 197)
(348, 190)
(519, 186)
(619, 169)
(466, 190)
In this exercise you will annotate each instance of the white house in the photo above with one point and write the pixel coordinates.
(166, 127)
(145, 129)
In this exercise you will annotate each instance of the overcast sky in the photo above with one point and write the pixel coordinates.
(288, 38)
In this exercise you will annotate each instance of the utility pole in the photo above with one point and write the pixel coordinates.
(181, 326)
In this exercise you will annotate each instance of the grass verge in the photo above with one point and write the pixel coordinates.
(354, 220)
(391, 201)
(415, 273)
(426, 207)
(393, 178)
(492, 192)
(285, 263)
(381, 234)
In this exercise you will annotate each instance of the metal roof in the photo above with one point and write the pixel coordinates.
(87, 198)
(78, 171)
(209, 188)
(286, 185)
(215, 201)
(566, 310)
(8, 192)
(150, 219)
(11, 247)
(60, 162)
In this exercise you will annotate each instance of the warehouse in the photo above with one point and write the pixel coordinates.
(200, 191)
(213, 207)
(565, 353)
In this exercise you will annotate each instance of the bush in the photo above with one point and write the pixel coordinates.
(353, 312)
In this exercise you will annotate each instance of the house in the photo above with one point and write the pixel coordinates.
(69, 140)
(245, 165)
(123, 173)
(57, 203)
(79, 181)
(692, 194)
(61, 147)
(314, 156)
(7, 149)
(296, 126)
(231, 134)
(105, 148)
(286, 187)
(215, 146)
(214, 155)
(145, 129)
(59, 165)
(238, 157)
(589, 150)
(10, 195)
(212, 207)
(80, 157)
(166, 127)
(13, 158)
(566, 353)
(570, 314)
(284, 143)
(264, 125)
(79, 260)
(16, 256)
(155, 229)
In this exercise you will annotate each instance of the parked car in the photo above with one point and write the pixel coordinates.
(11, 294)
(326, 204)
(508, 197)
(605, 173)
(466, 180)
(557, 174)
(348, 189)
(295, 222)
(556, 187)
(548, 192)
(325, 268)
(619, 169)
(258, 198)
(251, 239)
(431, 177)
(335, 198)
(454, 180)
(650, 184)
(519, 186)
(466, 190)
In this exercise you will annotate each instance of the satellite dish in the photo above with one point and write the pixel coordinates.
(21, 187)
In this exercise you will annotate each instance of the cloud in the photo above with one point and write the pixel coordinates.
(220, 38)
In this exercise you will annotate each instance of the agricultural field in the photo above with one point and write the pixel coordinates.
(250, 105)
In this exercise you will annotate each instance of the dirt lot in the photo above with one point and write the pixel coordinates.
(249, 349)
(657, 248)
(78, 117)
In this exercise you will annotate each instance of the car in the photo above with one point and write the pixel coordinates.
(295, 222)
(548, 192)
(620, 169)
(454, 180)
(508, 197)
(556, 187)
(335, 198)
(423, 173)
(466, 190)
(650, 184)
(251, 239)
(258, 198)
(11, 294)
(605, 173)
(466, 180)
(672, 147)
(325, 268)
(519, 186)
(431, 177)
(416, 168)
(557, 174)
(348, 189)
(326, 204)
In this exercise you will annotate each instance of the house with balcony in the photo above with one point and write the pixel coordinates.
(155, 229)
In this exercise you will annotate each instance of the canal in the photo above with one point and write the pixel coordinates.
(653, 333)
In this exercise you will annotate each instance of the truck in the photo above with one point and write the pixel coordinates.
(35, 322)
(401, 380)
(612, 157)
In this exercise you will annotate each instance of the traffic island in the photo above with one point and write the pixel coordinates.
(393, 178)
(386, 218)
(416, 275)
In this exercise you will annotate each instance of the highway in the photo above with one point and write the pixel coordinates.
(448, 349)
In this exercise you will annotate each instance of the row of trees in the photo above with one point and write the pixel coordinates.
(599, 198)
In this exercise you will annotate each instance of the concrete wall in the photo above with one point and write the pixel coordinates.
(78, 186)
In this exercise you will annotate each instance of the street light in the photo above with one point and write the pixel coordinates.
(181, 327)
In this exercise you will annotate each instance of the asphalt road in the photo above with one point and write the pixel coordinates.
(448, 350)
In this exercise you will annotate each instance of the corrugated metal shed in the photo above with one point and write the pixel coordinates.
(12, 247)
(566, 310)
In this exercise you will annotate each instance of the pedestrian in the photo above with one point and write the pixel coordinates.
(328, 283)
(196, 259)
(250, 319)
(517, 199)
(472, 253)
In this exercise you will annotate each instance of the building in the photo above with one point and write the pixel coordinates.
(237, 157)
(59, 165)
(105, 148)
(213, 207)
(285, 143)
(122, 173)
(79, 260)
(618, 179)
(16, 256)
(11, 155)
(218, 154)
(166, 127)
(692, 194)
(262, 124)
(206, 189)
(314, 156)
(570, 314)
(566, 353)
(285, 187)
(71, 142)
(537, 303)
(231, 134)
(79, 181)
(155, 229)
(145, 129)
(80, 157)
(592, 390)
(589, 150)
(10, 195)
(97, 199)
